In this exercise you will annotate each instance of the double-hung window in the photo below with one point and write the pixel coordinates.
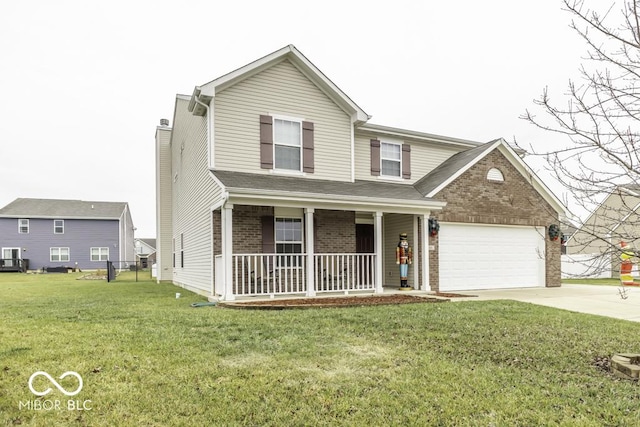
(289, 241)
(390, 159)
(58, 226)
(23, 226)
(100, 254)
(287, 144)
(58, 254)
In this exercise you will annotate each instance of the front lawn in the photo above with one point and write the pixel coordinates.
(147, 358)
(605, 282)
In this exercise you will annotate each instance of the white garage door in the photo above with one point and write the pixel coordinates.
(490, 257)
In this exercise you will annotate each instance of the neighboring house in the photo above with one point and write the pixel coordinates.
(593, 250)
(66, 233)
(272, 181)
(145, 252)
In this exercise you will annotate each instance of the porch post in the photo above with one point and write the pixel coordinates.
(227, 251)
(311, 274)
(424, 254)
(416, 275)
(377, 233)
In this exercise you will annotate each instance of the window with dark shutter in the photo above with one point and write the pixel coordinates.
(266, 142)
(375, 157)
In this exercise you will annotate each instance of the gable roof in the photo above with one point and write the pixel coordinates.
(55, 208)
(451, 168)
(208, 90)
(150, 243)
(456, 165)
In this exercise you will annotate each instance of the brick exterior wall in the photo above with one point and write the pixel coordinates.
(247, 228)
(335, 231)
(472, 199)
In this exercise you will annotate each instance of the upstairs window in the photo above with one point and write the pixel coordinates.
(23, 226)
(390, 159)
(58, 226)
(287, 142)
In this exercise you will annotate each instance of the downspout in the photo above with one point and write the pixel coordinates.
(209, 129)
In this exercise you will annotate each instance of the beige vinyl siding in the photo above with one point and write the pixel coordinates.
(194, 192)
(163, 205)
(394, 224)
(605, 222)
(425, 157)
(280, 90)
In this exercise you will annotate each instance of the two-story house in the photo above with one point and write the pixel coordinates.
(65, 233)
(272, 181)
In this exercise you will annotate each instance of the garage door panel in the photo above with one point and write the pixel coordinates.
(487, 257)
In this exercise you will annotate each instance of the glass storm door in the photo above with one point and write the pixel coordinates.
(10, 255)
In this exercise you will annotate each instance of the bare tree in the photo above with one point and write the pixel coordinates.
(601, 122)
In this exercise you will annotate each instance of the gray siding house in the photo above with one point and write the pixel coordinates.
(65, 233)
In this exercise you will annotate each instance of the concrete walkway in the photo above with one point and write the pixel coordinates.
(591, 299)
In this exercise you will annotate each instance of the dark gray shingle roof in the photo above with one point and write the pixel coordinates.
(449, 167)
(373, 189)
(55, 208)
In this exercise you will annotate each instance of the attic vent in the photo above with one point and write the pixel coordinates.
(164, 122)
(495, 175)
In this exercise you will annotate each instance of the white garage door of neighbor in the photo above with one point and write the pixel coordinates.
(490, 257)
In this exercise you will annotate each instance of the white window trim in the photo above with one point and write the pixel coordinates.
(59, 254)
(391, 142)
(20, 225)
(54, 226)
(100, 254)
(276, 241)
(298, 120)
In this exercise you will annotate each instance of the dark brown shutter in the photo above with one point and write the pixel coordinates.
(375, 157)
(268, 240)
(266, 142)
(268, 237)
(307, 147)
(406, 161)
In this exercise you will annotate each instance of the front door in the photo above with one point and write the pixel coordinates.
(10, 256)
(364, 239)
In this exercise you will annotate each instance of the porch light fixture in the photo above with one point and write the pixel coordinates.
(434, 227)
(554, 232)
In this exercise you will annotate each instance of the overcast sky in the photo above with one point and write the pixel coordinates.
(83, 84)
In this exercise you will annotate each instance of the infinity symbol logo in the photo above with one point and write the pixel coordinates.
(55, 383)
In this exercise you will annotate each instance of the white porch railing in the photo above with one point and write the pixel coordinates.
(344, 272)
(269, 274)
(273, 274)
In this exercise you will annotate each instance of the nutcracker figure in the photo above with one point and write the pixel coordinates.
(404, 257)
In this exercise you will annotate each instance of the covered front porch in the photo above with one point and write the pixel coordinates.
(270, 251)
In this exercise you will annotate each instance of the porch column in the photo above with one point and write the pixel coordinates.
(227, 251)
(416, 262)
(377, 238)
(311, 274)
(424, 254)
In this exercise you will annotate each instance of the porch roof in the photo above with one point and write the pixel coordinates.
(333, 191)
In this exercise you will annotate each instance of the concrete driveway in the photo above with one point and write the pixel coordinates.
(591, 299)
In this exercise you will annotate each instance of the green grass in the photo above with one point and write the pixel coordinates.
(149, 359)
(605, 282)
